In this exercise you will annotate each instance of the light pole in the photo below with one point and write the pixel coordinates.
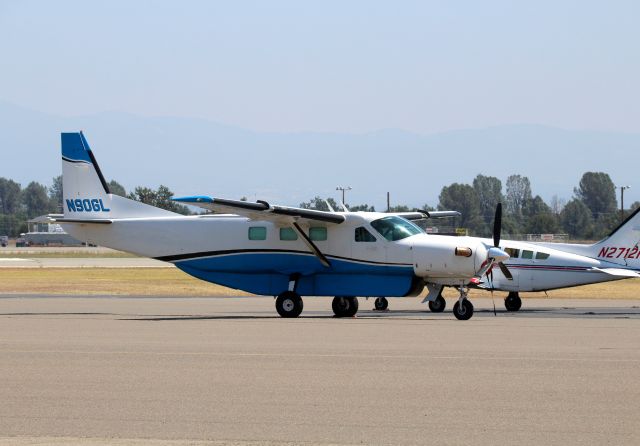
(622, 189)
(343, 189)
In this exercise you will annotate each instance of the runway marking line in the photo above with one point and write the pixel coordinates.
(322, 355)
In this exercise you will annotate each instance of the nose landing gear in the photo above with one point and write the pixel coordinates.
(463, 309)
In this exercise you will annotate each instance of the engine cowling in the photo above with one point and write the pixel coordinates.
(450, 257)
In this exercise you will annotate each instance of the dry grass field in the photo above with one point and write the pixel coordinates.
(173, 282)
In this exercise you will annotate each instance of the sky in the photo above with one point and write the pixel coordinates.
(330, 66)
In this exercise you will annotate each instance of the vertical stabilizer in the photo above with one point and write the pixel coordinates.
(85, 191)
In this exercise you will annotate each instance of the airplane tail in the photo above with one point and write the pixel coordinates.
(85, 191)
(621, 246)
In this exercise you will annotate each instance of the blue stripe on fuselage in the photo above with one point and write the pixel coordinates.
(269, 273)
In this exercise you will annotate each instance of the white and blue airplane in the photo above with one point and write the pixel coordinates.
(288, 252)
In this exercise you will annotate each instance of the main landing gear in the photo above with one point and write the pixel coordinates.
(463, 309)
(344, 306)
(381, 304)
(438, 305)
(513, 302)
(289, 304)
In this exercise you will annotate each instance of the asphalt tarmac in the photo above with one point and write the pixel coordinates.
(169, 371)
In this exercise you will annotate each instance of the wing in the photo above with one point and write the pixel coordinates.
(261, 210)
(619, 272)
(423, 215)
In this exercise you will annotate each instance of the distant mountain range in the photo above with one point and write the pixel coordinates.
(194, 156)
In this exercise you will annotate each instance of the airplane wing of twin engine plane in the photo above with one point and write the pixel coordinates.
(278, 251)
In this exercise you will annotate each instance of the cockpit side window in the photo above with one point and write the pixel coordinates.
(513, 252)
(395, 228)
(542, 256)
(362, 235)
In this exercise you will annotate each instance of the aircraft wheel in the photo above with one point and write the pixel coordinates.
(463, 312)
(344, 306)
(381, 303)
(513, 302)
(438, 305)
(289, 304)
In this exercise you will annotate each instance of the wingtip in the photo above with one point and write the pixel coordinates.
(194, 199)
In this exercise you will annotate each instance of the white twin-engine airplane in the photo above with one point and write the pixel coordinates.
(288, 252)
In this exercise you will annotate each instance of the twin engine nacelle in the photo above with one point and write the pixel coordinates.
(449, 257)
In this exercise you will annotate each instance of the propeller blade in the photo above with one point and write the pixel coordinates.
(505, 271)
(497, 225)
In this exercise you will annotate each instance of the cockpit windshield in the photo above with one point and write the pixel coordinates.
(395, 228)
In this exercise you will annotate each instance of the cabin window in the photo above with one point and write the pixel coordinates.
(288, 234)
(362, 235)
(318, 234)
(257, 233)
(513, 252)
(527, 254)
(542, 256)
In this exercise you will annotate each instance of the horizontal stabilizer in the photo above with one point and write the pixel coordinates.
(620, 272)
(99, 221)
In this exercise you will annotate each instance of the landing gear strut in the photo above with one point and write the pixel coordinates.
(513, 302)
(463, 309)
(289, 304)
(344, 306)
(381, 304)
(438, 305)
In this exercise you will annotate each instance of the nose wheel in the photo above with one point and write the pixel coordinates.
(463, 309)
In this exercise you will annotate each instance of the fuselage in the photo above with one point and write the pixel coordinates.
(261, 257)
(541, 267)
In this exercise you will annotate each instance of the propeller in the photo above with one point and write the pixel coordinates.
(497, 230)
(494, 253)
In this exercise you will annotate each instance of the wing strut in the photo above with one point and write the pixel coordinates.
(312, 246)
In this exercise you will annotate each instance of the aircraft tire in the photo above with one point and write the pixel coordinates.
(289, 304)
(381, 304)
(513, 302)
(463, 312)
(438, 305)
(344, 306)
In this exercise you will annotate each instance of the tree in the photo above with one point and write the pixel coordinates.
(576, 219)
(489, 192)
(160, 198)
(319, 204)
(117, 188)
(55, 193)
(597, 191)
(538, 217)
(362, 207)
(9, 196)
(557, 204)
(463, 198)
(400, 208)
(36, 200)
(518, 192)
